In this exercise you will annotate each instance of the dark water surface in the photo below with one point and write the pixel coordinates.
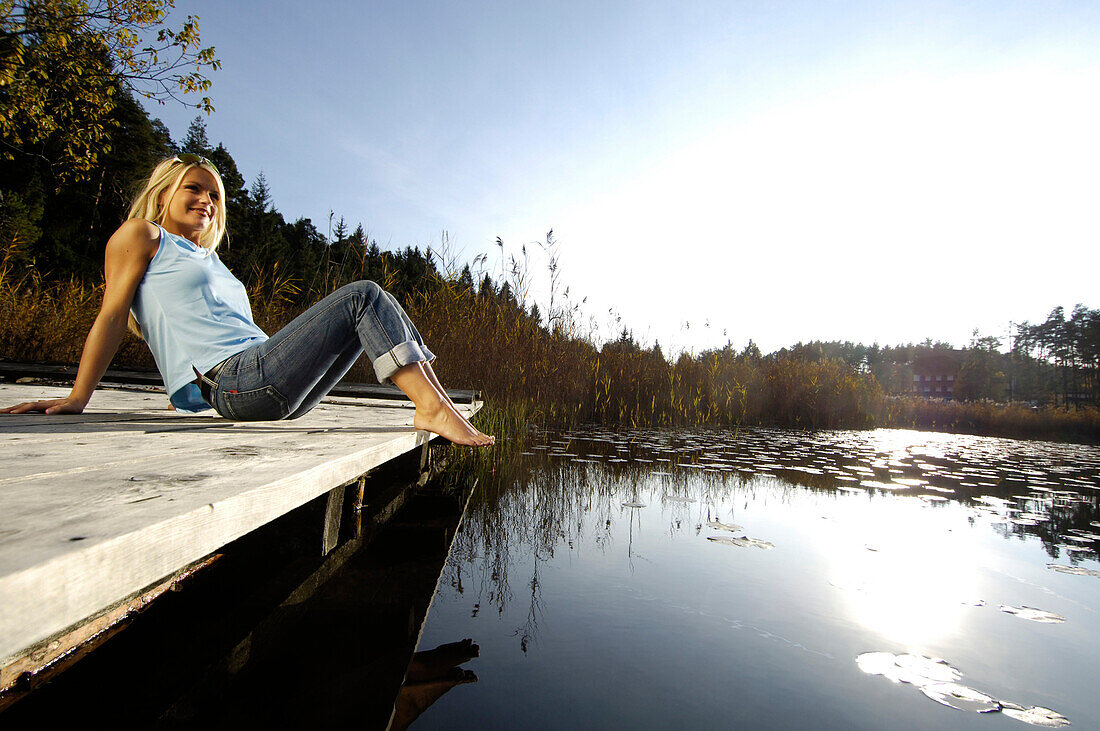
(663, 579)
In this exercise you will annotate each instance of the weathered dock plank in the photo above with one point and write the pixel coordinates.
(12, 371)
(97, 507)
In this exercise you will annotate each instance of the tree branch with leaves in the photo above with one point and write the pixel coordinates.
(63, 64)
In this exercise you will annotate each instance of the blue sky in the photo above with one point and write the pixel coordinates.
(712, 170)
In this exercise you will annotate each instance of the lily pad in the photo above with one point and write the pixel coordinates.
(1035, 615)
(1076, 570)
(1074, 548)
(743, 542)
(921, 670)
(961, 697)
(881, 485)
(944, 490)
(935, 678)
(878, 663)
(917, 670)
(718, 525)
(633, 504)
(1036, 715)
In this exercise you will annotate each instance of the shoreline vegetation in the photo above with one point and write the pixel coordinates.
(542, 362)
(532, 375)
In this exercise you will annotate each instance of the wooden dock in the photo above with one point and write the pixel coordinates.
(101, 508)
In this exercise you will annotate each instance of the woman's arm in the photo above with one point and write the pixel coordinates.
(129, 252)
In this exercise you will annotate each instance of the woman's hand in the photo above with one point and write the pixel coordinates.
(67, 405)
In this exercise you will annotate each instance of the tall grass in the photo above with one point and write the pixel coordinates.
(552, 378)
(47, 321)
(534, 374)
(995, 419)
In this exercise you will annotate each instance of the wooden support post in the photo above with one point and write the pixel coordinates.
(334, 509)
(425, 464)
(359, 504)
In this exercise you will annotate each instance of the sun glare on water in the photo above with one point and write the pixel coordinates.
(907, 579)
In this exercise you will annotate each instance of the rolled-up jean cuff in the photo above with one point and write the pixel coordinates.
(400, 356)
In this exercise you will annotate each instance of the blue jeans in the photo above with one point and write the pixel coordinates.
(288, 374)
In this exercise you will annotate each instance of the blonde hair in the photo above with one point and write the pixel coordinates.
(163, 184)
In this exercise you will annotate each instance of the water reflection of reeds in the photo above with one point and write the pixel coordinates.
(552, 490)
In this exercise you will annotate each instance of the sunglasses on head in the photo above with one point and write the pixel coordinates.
(188, 158)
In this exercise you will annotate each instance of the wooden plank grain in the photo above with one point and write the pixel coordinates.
(150, 439)
(113, 495)
(94, 509)
(74, 584)
(151, 378)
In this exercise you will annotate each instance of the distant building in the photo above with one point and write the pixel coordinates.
(935, 374)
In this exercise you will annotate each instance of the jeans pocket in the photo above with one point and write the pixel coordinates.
(259, 404)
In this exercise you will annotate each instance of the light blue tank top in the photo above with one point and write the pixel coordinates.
(192, 312)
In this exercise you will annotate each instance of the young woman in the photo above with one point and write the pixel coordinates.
(164, 277)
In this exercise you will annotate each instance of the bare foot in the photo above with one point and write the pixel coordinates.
(444, 419)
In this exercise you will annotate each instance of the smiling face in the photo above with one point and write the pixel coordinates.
(193, 206)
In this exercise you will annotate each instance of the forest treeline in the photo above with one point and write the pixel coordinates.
(539, 362)
(1055, 362)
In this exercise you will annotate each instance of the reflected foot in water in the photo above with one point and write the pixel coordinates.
(432, 664)
(431, 674)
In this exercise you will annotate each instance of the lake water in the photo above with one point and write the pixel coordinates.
(776, 579)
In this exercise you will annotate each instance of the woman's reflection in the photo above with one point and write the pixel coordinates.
(430, 675)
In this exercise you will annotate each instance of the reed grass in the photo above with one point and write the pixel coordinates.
(511, 424)
(995, 419)
(48, 321)
(533, 375)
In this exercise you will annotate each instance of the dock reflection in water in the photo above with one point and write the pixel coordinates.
(617, 578)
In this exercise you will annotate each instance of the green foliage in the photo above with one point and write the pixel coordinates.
(65, 64)
(64, 228)
(980, 375)
(1059, 357)
(19, 216)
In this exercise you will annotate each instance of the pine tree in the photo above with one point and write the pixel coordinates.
(196, 141)
(260, 194)
(486, 288)
(340, 232)
(466, 280)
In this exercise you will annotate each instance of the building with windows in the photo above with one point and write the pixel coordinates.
(935, 374)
